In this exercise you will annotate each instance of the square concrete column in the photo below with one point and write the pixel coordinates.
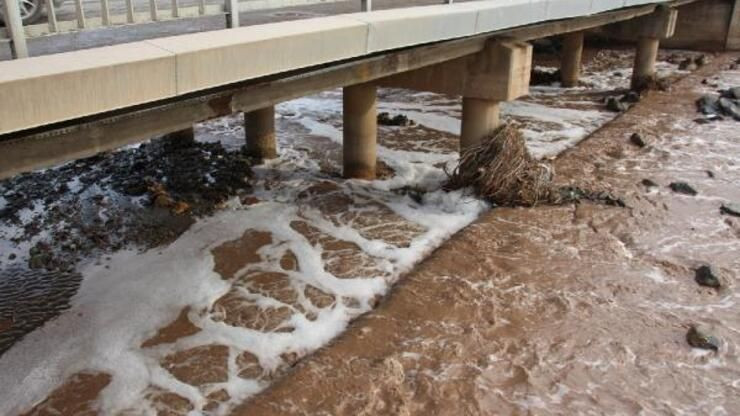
(259, 132)
(359, 149)
(645, 57)
(570, 64)
(479, 118)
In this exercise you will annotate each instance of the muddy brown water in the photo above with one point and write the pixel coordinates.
(576, 309)
(580, 309)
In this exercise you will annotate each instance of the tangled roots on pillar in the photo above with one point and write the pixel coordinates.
(502, 171)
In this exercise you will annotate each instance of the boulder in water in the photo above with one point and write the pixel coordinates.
(648, 183)
(730, 208)
(682, 188)
(616, 105)
(699, 336)
(637, 140)
(705, 276)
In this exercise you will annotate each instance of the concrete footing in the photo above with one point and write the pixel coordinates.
(479, 118)
(570, 64)
(259, 132)
(359, 153)
(645, 57)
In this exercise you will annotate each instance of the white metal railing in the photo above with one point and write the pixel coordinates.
(94, 14)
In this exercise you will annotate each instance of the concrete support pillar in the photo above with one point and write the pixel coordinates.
(259, 131)
(479, 118)
(645, 57)
(570, 65)
(360, 131)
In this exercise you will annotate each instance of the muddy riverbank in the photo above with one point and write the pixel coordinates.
(580, 309)
(237, 299)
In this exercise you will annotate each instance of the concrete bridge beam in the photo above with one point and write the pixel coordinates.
(500, 72)
(259, 132)
(570, 64)
(360, 131)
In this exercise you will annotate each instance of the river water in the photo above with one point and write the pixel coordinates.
(578, 309)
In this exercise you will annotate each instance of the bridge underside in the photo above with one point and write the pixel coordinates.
(498, 61)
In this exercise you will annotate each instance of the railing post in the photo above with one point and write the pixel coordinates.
(232, 13)
(367, 5)
(52, 15)
(14, 24)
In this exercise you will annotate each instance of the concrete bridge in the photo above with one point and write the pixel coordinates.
(71, 105)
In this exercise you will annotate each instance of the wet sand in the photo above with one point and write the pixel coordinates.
(579, 309)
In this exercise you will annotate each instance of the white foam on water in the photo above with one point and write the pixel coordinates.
(124, 301)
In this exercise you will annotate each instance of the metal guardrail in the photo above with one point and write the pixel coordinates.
(123, 12)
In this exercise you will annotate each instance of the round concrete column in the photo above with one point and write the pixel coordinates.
(570, 64)
(360, 131)
(259, 131)
(645, 56)
(479, 118)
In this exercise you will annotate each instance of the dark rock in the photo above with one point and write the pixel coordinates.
(648, 183)
(11, 256)
(543, 77)
(730, 208)
(708, 105)
(637, 140)
(631, 97)
(699, 336)
(731, 93)
(616, 105)
(705, 276)
(682, 188)
(730, 107)
(710, 174)
(701, 60)
(400, 120)
(687, 64)
(735, 91)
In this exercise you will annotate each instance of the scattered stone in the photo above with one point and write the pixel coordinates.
(539, 76)
(631, 97)
(11, 256)
(400, 120)
(687, 64)
(708, 105)
(649, 183)
(616, 105)
(731, 93)
(710, 174)
(701, 60)
(730, 208)
(682, 188)
(637, 140)
(705, 276)
(727, 104)
(730, 107)
(699, 336)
